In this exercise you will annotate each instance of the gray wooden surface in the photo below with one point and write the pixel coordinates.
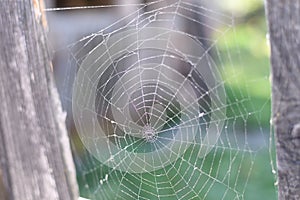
(284, 27)
(35, 157)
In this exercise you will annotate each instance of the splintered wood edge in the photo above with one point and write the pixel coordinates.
(39, 7)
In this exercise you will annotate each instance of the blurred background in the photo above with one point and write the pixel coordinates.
(243, 53)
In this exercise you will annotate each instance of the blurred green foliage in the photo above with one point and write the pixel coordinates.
(244, 53)
(247, 81)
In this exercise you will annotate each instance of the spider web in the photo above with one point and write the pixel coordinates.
(151, 110)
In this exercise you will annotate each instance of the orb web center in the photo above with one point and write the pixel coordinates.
(149, 134)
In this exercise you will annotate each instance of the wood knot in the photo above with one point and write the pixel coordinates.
(296, 131)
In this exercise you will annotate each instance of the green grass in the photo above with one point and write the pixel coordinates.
(245, 67)
(221, 174)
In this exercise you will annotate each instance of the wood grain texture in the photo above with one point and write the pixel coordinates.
(35, 157)
(284, 27)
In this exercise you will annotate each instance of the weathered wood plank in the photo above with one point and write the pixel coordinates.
(35, 156)
(284, 27)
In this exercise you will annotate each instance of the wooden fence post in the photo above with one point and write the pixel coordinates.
(35, 156)
(284, 28)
